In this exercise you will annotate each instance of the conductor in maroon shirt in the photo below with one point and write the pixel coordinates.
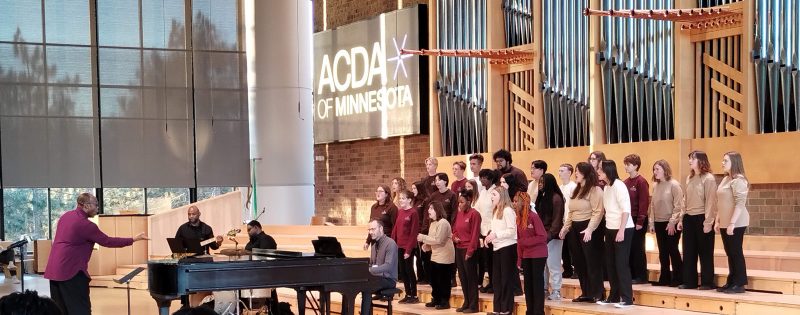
(69, 258)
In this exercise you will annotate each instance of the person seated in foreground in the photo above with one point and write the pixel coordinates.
(28, 303)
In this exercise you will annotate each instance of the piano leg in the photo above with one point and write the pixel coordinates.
(163, 305)
(301, 301)
(324, 302)
(366, 303)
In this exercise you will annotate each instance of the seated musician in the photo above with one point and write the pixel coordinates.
(382, 258)
(259, 239)
(258, 298)
(196, 229)
(7, 263)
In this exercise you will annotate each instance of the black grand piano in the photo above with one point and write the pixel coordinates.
(170, 278)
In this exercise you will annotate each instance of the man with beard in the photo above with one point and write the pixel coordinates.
(259, 239)
(198, 230)
(68, 263)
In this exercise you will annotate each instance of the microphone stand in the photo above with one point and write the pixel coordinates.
(127, 281)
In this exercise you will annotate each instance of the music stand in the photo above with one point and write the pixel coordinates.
(328, 246)
(127, 281)
(21, 245)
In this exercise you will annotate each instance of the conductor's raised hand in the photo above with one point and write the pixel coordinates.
(140, 237)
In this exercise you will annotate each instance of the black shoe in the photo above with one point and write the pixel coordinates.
(430, 304)
(660, 284)
(422, 282)
(723, 288)
(518, 293)
(685, 286)
(404, 300)
(566, 275)
(412, 300)
(442, 306)
(705, 288)
(486, 289)
(460, 309)
(469, 311)
(582, 298)
(638, 281)
(675, 284)
(734, 289)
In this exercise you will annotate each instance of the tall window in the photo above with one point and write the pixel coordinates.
(152, 90)
(25, 213)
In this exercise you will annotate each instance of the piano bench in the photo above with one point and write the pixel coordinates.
(386, 295)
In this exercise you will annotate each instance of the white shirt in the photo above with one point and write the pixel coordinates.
(616, 201)
(567, 190)
(484, 207)
(505, 229)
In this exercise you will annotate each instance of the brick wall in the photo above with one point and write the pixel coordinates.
(347, 174)
(774, 209)
(343, 12)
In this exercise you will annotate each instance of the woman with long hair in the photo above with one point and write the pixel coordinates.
(583, 221)
(383, 210)
(503, 237)
(420, 202)
(619, 236)
(532, 255)
(472, 185)
(550, 208)
(466, 237)
(732, 220)
(405, 234)
(665, 210)
(698, 223)
(519, 198)
(439, 241)
(596, 159)
(398, 184)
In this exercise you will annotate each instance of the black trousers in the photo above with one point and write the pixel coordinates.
(485, 264)
(638, 260)
(668, 252)
(737, 270)
(468, 275)
(505, 274)
(72, 295)
(585, 257)
(533, 270)
(566, 257)
(618, 265)
(440, 283)
(422, 274)
(407, 269)
(697, 244)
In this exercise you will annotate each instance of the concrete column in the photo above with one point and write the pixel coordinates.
(279, 78)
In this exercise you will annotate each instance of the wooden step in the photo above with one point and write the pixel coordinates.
(485, 305)
(702, 301)
(759, 280)
(755, 260)
(751, 242)
(332, 230)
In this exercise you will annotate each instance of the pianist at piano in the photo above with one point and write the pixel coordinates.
(382, 257)
(67, 265)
